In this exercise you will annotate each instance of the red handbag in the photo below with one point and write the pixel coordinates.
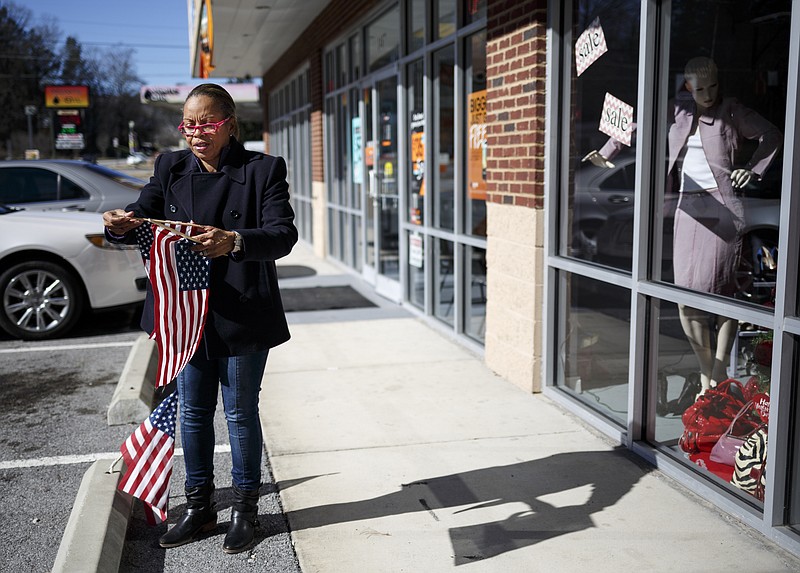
(711, 416)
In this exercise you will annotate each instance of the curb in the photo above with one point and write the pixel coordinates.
(95, 534)
(94, 537)
(133, 398)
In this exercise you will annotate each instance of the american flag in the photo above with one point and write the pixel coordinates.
(180, 279)
(148, 457)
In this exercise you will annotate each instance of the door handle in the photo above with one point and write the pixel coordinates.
(618, 199)
(74, 208)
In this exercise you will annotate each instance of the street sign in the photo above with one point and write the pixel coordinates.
(30, 110)
(66, 96)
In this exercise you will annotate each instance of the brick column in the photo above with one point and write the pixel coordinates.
(515, 108)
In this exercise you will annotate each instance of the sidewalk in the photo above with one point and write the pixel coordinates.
(396, 449)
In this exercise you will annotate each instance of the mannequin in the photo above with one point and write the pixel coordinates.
(705, 130)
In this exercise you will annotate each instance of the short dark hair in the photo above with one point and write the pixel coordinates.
(222, 98)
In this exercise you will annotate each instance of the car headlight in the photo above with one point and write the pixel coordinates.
(99, 240)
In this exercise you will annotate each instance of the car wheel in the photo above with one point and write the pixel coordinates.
(755, 277)
(40, 300)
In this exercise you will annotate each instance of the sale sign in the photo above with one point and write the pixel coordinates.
(590, 46)
(617, 119)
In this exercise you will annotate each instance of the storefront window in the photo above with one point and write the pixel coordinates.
(594, 344)
(383, 40)
(444, 142)
(341, 65)
(445, 17)
(370, 192)
(355, 57)
(444, 281)
(793, 514)
(598, 221)
(290, 137)
(475, 200)
(416, 142)
(416, 25)
(329, 73)
(356, 152)
(416, 269)
(475, 295)
(475, 10)
(721, 201)
(714, 377)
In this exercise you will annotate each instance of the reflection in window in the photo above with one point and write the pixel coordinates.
(355, 61)
(416, 270)
(444, 277)
(443, 143)
(594, 344)
(475, 201)
(383, 40)
(599, 224)
(416, 28)
(475, 295)
(445, 18)
(721, 197)
(475, 10)
(713, 376)
(794, 452)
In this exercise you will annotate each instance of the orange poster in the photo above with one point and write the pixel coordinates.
(476, 146)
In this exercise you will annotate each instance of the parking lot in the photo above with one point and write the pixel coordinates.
(55, 396)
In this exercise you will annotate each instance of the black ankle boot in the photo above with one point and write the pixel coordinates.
(200, 516)
(244, 520)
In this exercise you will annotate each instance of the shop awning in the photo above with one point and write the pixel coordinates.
(241, 38)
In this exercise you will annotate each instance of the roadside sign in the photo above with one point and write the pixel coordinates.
(66, 96)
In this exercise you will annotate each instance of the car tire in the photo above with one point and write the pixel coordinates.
(39, 300)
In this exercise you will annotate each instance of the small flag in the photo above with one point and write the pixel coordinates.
(148, 456)
(180, 280)
(144, 238)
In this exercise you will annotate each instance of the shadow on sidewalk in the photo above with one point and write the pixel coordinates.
(604, 476)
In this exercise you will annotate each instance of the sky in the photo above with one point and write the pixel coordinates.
(156, 29)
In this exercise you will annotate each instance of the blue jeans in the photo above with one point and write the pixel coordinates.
(198, 384)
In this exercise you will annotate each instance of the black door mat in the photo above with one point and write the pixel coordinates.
(295, 271)
(322, 298)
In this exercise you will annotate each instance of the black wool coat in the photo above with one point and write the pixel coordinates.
(248, 194)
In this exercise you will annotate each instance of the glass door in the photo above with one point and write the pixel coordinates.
(382, 257)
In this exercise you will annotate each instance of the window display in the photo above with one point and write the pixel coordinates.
(721, 429)
(597, 211)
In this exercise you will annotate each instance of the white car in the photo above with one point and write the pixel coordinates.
(56, 265)
(65, 185)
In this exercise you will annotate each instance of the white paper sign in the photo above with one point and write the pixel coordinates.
(415, 255)
(617, 119)
(590, 46)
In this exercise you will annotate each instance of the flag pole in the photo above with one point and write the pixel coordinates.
(114, 463)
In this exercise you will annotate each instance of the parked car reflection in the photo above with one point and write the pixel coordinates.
(602, 224)
(55, 265)
(65, 185)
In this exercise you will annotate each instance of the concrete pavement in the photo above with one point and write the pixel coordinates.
(395, 449)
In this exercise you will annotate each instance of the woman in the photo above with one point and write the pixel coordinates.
(242, 199)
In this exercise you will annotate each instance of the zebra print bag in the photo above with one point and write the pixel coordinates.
(750, 465)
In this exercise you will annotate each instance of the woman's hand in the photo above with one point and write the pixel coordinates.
(119, 222)
(214, 242)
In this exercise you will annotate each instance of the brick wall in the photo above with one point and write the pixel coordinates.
(516, 69)
(317, 116)
(337, 17)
